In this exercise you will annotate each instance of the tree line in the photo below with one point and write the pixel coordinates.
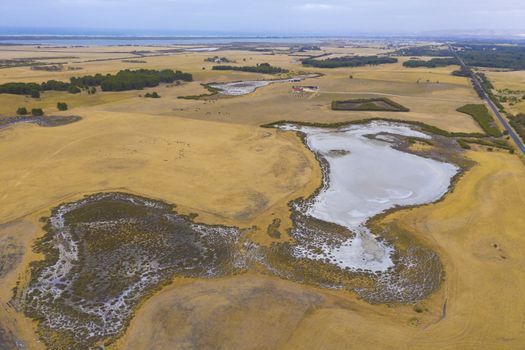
(432, 63)
(348, 61)
(122, 81)
(264, 68)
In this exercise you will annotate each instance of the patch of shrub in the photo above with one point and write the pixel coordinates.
(21, 111)
(152, 95)
(264, 68)
(482, 116)
(37, 112)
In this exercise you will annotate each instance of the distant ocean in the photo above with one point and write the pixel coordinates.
(79, 37)
(145, 41)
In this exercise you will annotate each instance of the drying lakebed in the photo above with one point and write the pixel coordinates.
(365, 174)
(104, 254)
(45, 121)
(238, 88)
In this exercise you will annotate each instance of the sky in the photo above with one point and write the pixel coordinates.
(331, 17)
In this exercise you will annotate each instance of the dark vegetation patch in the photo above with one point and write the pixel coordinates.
(264, 68)
(212, 92)
(431, 51)
(131, 79)
(491, 143)
(462, 72)
(518, 123)
(217, 59)
(45, 121)
(493, 56)
(152, 95)
(33, 62)
(134, 61)
(11, 252)
(122, 81)
(369, 104)
(106, 253)
(482, 116)
(273, 229)
(62, 106)
(432, 63)
(487, 87)
(347, 61)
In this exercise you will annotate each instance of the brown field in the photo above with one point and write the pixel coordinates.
(210, 157)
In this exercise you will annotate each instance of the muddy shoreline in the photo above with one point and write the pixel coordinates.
(44, 121)
(444, 149)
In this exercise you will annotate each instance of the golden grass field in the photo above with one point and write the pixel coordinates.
(210, 157)
(513, 80)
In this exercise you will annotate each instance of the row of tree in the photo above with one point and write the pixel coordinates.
(131, 79)
(37, 112)
(348, 61)
(264, 68)
(123, 80)
(432, 63)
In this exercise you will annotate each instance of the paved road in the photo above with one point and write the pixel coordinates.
(503, 121)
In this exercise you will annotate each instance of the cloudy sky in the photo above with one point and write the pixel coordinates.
(342, 17)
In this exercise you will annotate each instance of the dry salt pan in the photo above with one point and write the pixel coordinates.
(366, 177)
(248, 86)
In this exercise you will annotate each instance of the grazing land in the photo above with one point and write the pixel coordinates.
(175, 219)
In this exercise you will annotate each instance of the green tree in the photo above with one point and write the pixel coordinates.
(37, 112)
(21, 111)
(62, 106)
(73, 89)
(35, 94)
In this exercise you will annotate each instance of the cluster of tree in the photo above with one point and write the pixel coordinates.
(462, 72)
(19, 88)
(21, 111)
(493, 56)
(35, 112)
(486, 86)
(123, 80)
(152, 95)
(131, 79)
(518, 123)
(432, 63)
(265, 68)
(49, 68)
(348, 61)
(217, 59)
(424, 51)
(34, 90)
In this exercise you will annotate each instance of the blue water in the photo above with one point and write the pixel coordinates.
(95, 37)
(111, 41)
